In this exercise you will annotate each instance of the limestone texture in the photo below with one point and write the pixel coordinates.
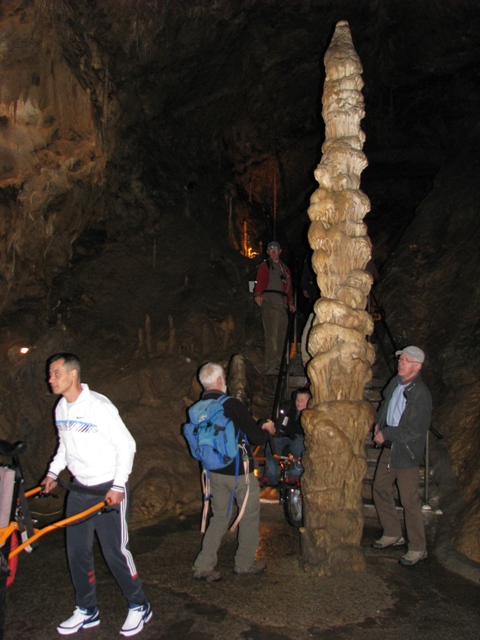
(338, 420)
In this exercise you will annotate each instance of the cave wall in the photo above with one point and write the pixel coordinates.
(430, 292)
(130, 129)
(52, 160)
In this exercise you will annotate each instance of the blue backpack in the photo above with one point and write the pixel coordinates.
(210, 434)
(213, 442)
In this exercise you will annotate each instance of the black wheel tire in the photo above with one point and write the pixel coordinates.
(293, 507)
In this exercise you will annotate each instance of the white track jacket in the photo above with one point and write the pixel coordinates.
(93, 441)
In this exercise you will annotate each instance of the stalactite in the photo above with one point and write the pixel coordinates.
(338, 419)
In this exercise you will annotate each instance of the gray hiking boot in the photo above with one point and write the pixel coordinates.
(258, 566)
(208, 576)
(388, 541)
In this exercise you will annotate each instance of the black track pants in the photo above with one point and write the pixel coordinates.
(112, 533)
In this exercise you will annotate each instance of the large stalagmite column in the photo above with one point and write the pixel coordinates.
(338, 420)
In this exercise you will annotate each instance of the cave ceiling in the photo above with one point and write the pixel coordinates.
(116, 112)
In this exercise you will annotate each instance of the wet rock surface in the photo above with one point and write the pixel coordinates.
(386, 601)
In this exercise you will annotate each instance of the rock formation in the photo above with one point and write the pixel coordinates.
(131, 131)
(338, 420)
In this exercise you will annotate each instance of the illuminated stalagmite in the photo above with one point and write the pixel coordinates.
(338, 420)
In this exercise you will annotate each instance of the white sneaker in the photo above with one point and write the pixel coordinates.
(81, 619)
(138, 616)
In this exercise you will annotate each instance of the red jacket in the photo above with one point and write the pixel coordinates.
(263, 277)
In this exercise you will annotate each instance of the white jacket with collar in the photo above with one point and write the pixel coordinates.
(93, 441)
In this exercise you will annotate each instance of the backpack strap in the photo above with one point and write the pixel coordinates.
(206, 484)
(246, 465)
(242, 447)
(206, 499)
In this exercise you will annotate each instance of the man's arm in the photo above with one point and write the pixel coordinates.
(242, 419)
(125, 448)
(378, 436)
(380, 418)
(58, 464)
(261, 283)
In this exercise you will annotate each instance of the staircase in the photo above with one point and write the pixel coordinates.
(384, 368)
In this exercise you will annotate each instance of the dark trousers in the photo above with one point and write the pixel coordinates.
(112, 533)
(407, 483)
(275, 325)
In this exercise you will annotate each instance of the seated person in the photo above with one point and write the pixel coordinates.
(289, 435)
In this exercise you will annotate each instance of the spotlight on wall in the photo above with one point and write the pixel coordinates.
(16, 353)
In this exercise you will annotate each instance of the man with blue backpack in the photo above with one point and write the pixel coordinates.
(216, 421)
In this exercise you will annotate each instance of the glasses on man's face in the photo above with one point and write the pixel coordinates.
(273, 249)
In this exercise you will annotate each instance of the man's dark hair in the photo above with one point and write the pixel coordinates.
(71, 361)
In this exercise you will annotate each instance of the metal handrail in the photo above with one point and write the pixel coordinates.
(439, 436)
(283, 367)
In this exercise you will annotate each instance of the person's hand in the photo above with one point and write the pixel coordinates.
(114, 497)
(305, 294)
(259, 299)
(48, 484)
(378, 437)
(269, 426)
(291, 308)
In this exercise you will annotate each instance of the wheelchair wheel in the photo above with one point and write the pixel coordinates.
(293, 507)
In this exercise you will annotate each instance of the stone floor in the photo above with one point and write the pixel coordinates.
(386, 602)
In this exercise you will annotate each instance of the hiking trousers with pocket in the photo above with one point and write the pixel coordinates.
(221, 487)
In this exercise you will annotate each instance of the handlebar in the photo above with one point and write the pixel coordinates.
(56, 525)
(33, 492)
(290, 458)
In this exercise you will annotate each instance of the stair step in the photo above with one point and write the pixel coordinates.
(369, 510)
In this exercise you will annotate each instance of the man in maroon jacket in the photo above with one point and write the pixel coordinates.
(274, 295)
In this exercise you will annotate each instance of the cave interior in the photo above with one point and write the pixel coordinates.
(150, 149)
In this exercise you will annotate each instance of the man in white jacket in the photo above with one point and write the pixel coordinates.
(98, 450)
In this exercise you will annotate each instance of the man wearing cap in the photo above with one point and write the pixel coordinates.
(274, 295)
(401, 427)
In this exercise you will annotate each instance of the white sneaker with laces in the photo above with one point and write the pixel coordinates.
(81, 619)
(138, 616)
